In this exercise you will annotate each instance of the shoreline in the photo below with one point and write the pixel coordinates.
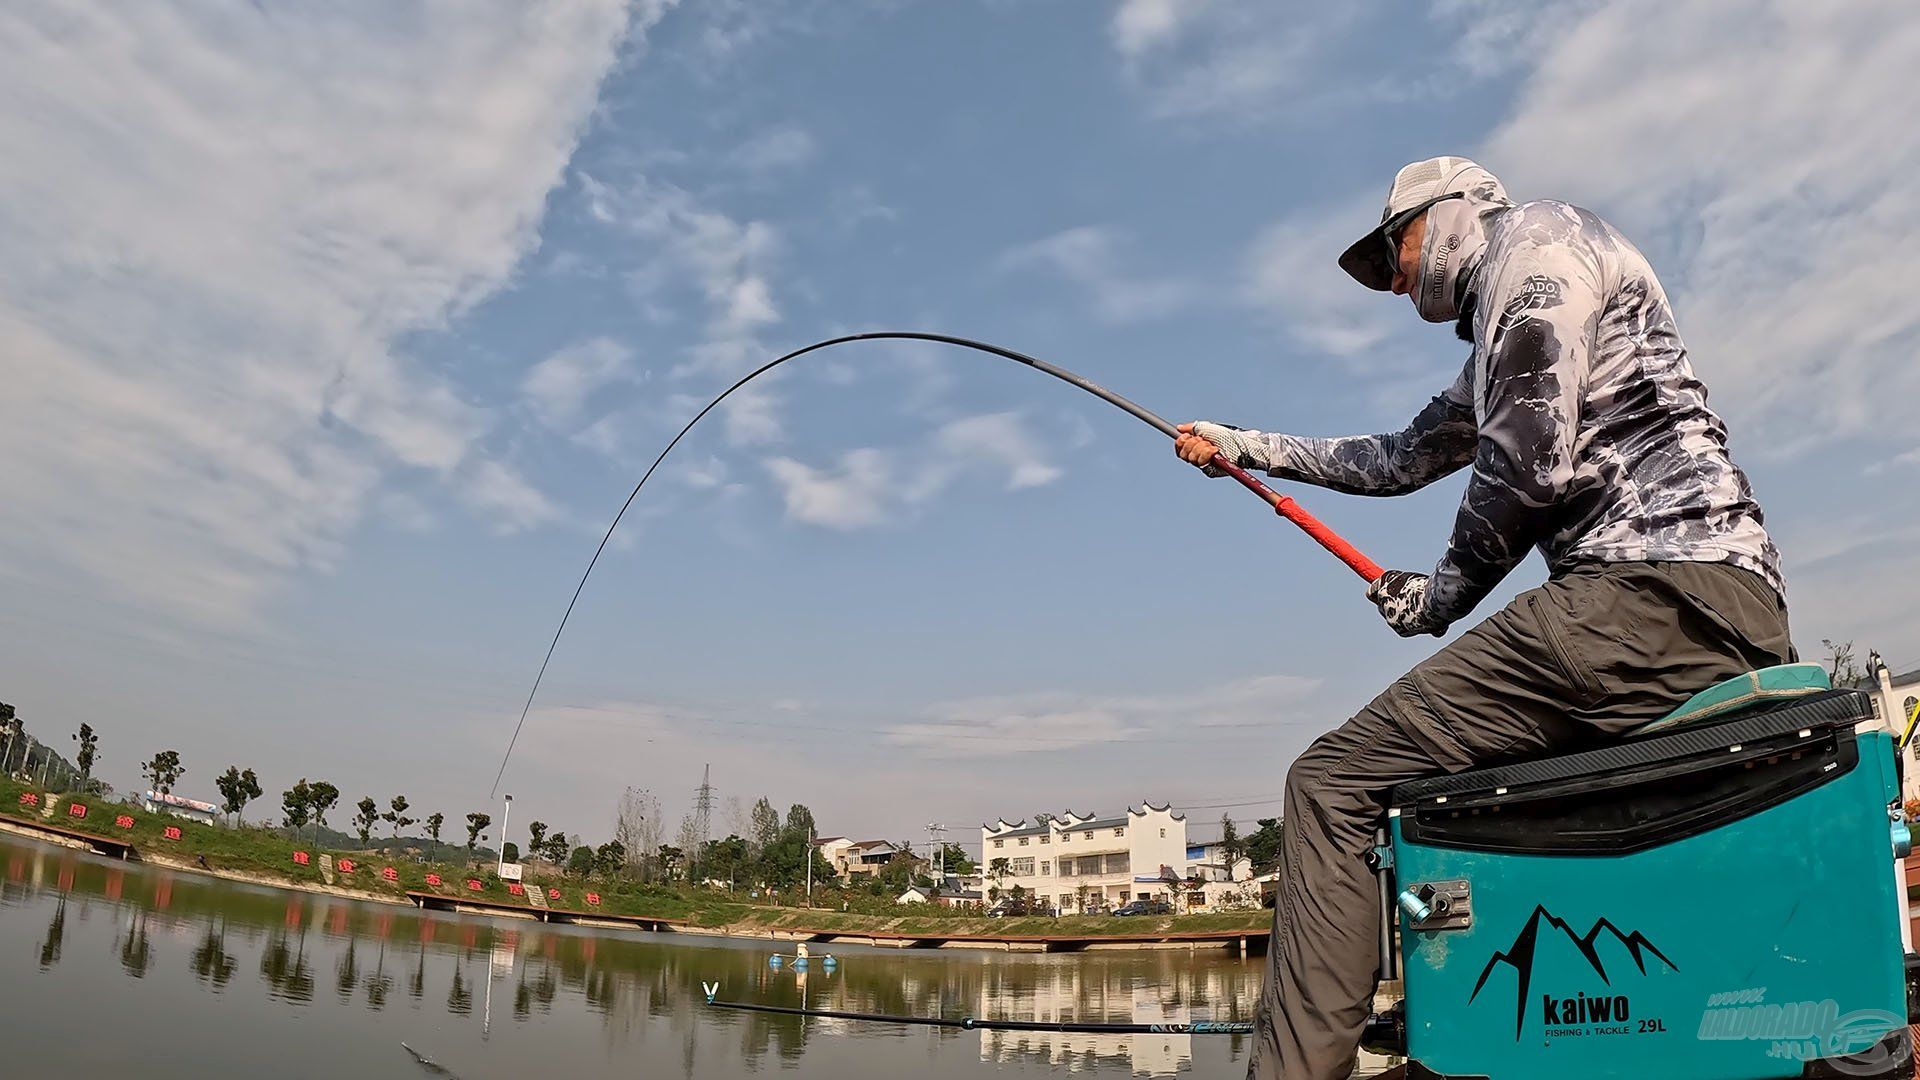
(884, 931)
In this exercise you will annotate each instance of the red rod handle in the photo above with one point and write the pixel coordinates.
(1312, 526)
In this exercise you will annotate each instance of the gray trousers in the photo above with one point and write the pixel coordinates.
(1599, 648)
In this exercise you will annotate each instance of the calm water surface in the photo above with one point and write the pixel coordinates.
(111, 966)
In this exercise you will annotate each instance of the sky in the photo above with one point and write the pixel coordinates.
(333, 336)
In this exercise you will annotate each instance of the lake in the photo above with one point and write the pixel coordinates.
(115, 966)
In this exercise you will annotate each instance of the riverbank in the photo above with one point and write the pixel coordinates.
(265, 856)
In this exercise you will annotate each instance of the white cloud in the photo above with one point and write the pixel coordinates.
(868, 487)
(854, 494)
(505, 495)
(1054, 721)
(774, 149)
(557, 388)
(728, 260)
(1089, 256)
(212, 228)
(1763, 156)
(1141, 24)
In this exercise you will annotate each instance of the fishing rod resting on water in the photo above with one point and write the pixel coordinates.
(1282, 505)
(970, 1023)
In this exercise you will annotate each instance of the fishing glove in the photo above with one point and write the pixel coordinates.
(1246, 449)
(1401, 596)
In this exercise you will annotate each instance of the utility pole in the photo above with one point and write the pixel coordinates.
(936, 832)
(810, 846)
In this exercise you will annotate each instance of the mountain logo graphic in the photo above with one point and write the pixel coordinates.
(1519, 956)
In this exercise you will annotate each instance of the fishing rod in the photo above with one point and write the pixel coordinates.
(972, 1023)
(1282, 505)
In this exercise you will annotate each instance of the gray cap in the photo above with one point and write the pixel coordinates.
(1415, 188)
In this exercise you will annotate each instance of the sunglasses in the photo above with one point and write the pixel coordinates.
(1393, 226)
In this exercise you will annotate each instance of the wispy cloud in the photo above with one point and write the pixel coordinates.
(1783, 235)
(513, 504)
(868, 487)
(557, 388)
(774, 149)
(730, 263)
(1005, 725)
(1091, 256)
(215, 226)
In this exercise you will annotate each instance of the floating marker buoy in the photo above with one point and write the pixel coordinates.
(774, 960)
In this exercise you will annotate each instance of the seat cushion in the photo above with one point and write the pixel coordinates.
(1742, 692)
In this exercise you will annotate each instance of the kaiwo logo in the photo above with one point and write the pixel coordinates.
(1580, 1008)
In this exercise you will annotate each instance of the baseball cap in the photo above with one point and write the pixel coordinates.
(1415, 188)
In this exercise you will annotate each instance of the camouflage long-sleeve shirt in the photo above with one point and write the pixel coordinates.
(1578, 409)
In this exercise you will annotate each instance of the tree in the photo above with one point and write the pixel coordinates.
(324, 797)
(764, 822)
(1232, 847)
(556, 848)
(689, 841)
(237, 789)
(580, 862)
(434, 821)
(729, 858)
(1842, 668)
(297, 801)
(955, 860)
(509, 852)
(536, 838)
(1265, 844)
(670, 857)
(637, 825)
(609, 857)
(164, 771)
(475, 822)
(397, 815)
(999, 870)
(364, 821)
(89, 744)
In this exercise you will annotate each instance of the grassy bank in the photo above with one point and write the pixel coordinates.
(268, 854)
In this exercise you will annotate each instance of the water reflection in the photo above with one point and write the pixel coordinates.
(197, 938)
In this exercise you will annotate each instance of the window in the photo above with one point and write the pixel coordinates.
(999, 843)
(1046, 838)
(1045, 868)
(1021, 867)
(1120, 832)
(1066, 868)
(1023, 841)
(1163, 834)
(1089, 834)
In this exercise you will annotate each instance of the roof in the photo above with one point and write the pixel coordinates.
(822, 841)
(1103, 823)
(1031, 830)
(869, 845)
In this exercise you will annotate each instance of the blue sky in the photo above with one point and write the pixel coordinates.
(333, 338)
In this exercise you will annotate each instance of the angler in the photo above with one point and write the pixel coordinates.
(1588, 436)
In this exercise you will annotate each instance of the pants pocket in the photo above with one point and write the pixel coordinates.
(1579, 676)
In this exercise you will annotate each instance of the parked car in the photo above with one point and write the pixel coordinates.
(1008, 909)
(1144, 907)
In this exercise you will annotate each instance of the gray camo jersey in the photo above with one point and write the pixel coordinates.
(1578, 409)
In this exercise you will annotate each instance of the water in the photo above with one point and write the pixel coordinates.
(115, 966)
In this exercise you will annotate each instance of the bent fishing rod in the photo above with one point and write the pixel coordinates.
(1282, 505)
(972, 1023)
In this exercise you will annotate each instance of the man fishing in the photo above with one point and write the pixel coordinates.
(1588, 437)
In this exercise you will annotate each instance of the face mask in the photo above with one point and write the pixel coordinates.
(1453, 235)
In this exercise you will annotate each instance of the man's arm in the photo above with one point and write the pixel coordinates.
(1538, 333)
(1439, 441)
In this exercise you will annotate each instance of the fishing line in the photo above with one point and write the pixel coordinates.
(1282, 505)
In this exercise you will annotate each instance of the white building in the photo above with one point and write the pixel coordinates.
(1220, 886)
(1895, 697)
(160, 802)
(1080, 862)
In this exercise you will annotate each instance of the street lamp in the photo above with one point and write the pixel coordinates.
(501, 869)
